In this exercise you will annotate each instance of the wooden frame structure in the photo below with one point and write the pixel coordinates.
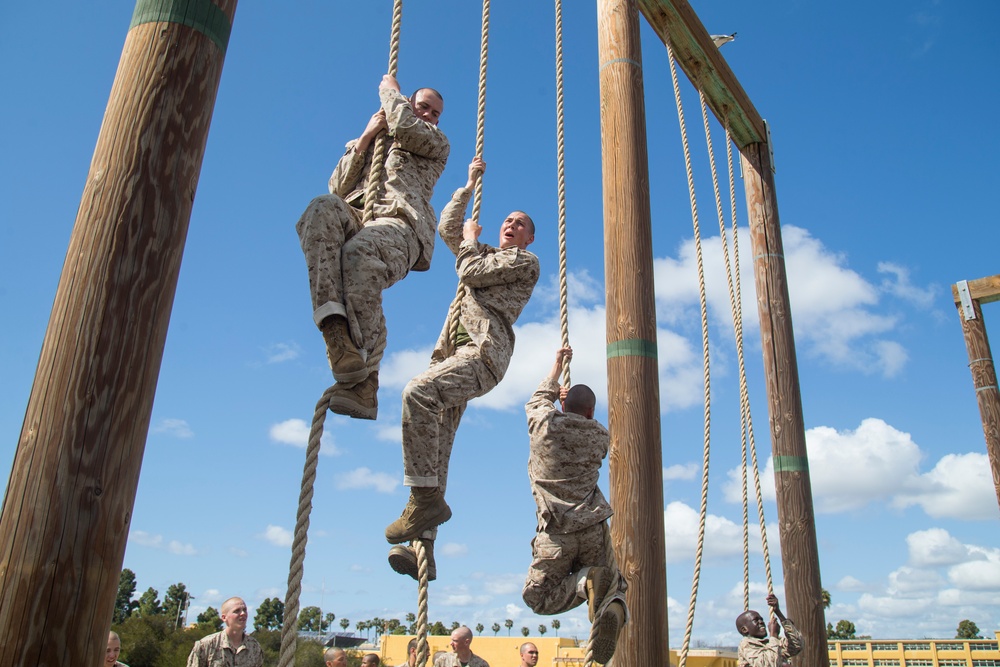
(78, 459)
(633, 391)
(969, 296)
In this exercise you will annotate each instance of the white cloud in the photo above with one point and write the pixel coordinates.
(959, 487)
(276, 535)
(899, 286)
(279, 352)
(850, 583)
(152, 541)
(685, 471)
(723, 538)
(909, 582)
(364, 478)
(453, 549)
(175, 427)
(295, 432)
(935, 547)
(894, 607)
(502, 584)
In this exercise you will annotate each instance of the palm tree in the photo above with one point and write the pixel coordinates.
(344, 622)
(479, 628)
(542, 629)
(495, 629)
(825, 595)
(525, 630)
(508, 624)
(556, 625)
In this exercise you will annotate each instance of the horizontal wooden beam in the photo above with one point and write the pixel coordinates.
(697, 55)
(983, 290)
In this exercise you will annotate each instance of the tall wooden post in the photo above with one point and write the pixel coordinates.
(968, 296)
(69, 499)
(799, 553)
(633, 380)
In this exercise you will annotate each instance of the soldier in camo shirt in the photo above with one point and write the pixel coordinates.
(497, 284)
(350, 264)
(573, 561)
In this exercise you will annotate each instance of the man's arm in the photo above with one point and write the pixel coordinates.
(542, 402)
(453, 216)
(413, 134)
(350, 169)
(499, 268)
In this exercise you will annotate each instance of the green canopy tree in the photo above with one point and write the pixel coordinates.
(844, 630)
(437, 628)
(270, 614)
(149, 603)
(124, 604)
(212, 618)
(967, 630)
(175, 602)
(309, 619)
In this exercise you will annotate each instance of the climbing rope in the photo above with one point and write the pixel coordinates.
(376, 173)
(456, 303)
(423, 649)
(561, 178)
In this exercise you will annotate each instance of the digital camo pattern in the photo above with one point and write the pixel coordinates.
(215, 651)
(768, 652)
(451, 660)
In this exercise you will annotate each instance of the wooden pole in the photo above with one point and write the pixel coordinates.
(796, 520)
(69, 500)
(633, 380)
(984, 374)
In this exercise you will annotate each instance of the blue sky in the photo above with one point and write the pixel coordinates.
(884, 179)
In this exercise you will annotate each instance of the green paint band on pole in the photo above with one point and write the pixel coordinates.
(634, 347)
(791, 464)
(201, 15)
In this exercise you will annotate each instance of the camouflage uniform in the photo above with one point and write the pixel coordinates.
(350, 264)
(451, 660)
(215, 651)
(768, 652)
(498, 284)
(565, 462)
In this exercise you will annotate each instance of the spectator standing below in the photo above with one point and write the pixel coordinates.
(461, 640)
(113, 651)
(529, 655)
(469, 360)
(335, 657)
(231, 646)
(573, 560)
(756, 648)
(370, 660)
(411, 654)
(351, 263)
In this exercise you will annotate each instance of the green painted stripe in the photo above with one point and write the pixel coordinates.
(201, 15)
(634, 347)
(791, 464)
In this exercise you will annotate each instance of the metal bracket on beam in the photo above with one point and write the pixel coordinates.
(770, 147)
(966, 299)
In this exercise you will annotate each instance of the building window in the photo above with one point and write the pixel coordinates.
(919, 663)
(982, 663)
(952, 663)
(983, 646)
(863, 646)
(885, 646)
(917, 646)
(887, 663)
(950, 646)
(856, 663)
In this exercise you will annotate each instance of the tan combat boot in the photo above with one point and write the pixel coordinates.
(359, 401)
(346, 361)
(609, 623)
(425, 510)
(598, 583)
(403, 559)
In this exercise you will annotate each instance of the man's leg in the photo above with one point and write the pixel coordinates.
(324, 228)
(375, 258)
(551, 585)
(605, 593)
(448, 384)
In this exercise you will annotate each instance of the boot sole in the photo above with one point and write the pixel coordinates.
(404, 561)
(607, 637)
(436, 521)
(342, 406)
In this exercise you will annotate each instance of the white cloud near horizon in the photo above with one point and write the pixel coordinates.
(276, 535)
(178, 428)
(295, 432)
(277, 353)
(365, 478)
(142, 538)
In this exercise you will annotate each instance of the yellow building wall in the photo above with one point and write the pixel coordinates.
(915, 652)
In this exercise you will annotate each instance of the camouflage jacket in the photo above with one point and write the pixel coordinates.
(769, 652)
(451, 660)
(414, 162)
(566, 454)
(498, 284)
(215, 651)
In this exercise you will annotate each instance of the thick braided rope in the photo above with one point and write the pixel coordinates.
(588, 658)
(377, 170)
(289, 629)
(423, 649)
(456, 303)
(481, 108)
(561, 177)
(703, 303)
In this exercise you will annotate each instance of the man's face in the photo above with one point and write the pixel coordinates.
(427, 106)
(234, 615)
(369, 661)
(114, 649)
(516, 231)
(339, 660)
(459, 642)
(529, 656)
(756, 627)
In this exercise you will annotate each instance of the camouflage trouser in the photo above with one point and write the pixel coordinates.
(433, 403)
(349, 265)
(554, 582)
